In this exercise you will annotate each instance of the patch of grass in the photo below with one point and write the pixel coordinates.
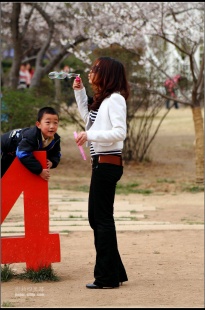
(193, 189)
(121, 189)
(75, 199)
(144, 191)
(128, 185)
(7, 304)
(55, 187)
(84, 188)
(6, 273)
(124, 218)
(131, 188)
(40, 275)
(12, 231)
(72, 199)
(165, 181)
(192, 222)
(68, 219)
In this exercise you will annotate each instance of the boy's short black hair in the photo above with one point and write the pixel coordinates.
(46, 110)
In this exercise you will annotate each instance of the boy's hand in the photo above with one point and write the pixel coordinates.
(49, 164)
(45, 174)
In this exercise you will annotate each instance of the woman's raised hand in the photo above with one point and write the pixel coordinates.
(78, 84)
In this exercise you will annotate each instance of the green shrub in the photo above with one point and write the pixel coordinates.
(6, 273)
(19, 108)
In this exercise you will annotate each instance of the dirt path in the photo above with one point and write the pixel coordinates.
(165, 270)
(163, 252)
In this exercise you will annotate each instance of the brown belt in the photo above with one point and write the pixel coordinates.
(110, 159)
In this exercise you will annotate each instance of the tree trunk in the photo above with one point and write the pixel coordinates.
(14, 73)
(36, 79)
(199, 143)
(17, 43)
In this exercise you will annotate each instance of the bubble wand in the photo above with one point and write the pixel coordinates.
(80, 146)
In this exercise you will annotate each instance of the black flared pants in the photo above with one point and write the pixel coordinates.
(109, 269)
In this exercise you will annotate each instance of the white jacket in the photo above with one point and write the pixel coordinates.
(109, 130)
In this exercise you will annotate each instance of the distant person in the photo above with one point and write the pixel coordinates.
(66, 69)
(170, 87)
(23, 142)
(23, 77)
(29, 73)
(66, 80)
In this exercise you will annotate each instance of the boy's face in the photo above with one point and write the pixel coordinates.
(48, 125)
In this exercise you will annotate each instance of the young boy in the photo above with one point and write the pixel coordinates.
(22, 142)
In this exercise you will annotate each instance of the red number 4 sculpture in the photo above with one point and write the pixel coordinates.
(38, 247)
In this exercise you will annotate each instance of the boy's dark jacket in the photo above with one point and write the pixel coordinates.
(22, 142)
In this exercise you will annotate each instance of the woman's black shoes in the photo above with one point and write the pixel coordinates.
(92, 285)
(95, 286)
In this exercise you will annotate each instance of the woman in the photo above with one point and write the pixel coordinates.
(105, 131)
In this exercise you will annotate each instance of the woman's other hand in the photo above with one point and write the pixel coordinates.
(81, 138)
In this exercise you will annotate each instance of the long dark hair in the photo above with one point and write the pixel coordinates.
(109, 77)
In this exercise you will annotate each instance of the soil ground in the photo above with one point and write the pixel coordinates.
(163, 251)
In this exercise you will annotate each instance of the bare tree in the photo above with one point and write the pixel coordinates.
(142, 124)
(37, 21)
(180, 26)
(186, 39)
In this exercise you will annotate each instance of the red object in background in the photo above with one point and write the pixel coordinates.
(38, 248)
(170, 84)
(176, 78)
